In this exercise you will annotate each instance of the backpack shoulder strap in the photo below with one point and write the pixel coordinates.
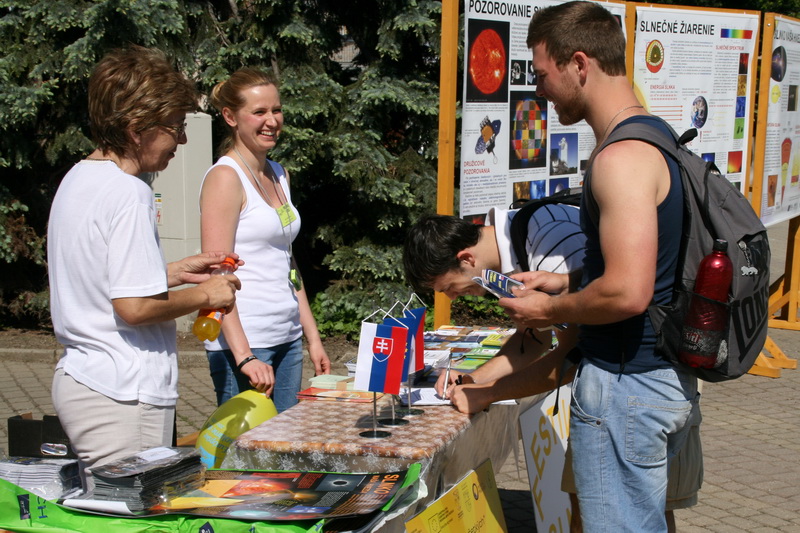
(639, 131)
(647, 133)
(519, 232)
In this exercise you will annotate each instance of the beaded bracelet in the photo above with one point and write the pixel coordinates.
(244, 362)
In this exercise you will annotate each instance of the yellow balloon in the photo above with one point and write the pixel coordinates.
(241, 413)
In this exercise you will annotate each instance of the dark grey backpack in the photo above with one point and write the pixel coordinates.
(713, 209)
(518, 228)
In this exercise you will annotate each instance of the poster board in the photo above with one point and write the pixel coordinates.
(544, 437)
(696, 68)
(512, 144)
(778, 127)
(473, 504)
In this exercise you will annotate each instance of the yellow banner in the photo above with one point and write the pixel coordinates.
(471, 506)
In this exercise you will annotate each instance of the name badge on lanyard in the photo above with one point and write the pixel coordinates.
(286, 214)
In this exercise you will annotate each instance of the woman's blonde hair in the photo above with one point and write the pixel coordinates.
(135, 88)
(229, 94)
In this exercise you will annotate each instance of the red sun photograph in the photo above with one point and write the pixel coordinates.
(487, 63)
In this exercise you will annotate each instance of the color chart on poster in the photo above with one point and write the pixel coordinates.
(696, 69)
(512, 144)
(780, 133)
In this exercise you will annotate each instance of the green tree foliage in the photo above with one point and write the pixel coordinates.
(49, 49)
(359, 140)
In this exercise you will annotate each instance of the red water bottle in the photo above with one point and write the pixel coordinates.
(707, 320)
(208, 323)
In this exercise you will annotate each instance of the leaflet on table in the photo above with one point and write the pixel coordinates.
(436, 358)
(461, 363)
(482, 353)
(331, 381)
(469, 331)
(274, 495)
(428, 396)
(316, 393)
(494, 339)
(468, 364)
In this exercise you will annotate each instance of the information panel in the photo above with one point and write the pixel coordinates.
(512, 145)
(779, 135)
(696, 69)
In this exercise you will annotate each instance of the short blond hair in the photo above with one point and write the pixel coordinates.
(135, 88)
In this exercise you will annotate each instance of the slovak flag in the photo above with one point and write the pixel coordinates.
(414, 321)
(381, 351)
(418, 332)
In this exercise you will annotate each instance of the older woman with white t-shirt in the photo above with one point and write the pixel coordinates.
(115, 385)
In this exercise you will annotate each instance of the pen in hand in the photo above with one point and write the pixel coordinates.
(447, 377)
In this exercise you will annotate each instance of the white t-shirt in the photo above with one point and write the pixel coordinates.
(555, 242)
(102, 243)
(267, 303)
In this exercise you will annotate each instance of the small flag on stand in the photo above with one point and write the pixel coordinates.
(417, 331)
(381, 351)
(414, 321)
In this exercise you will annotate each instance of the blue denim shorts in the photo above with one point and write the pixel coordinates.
(623, 430)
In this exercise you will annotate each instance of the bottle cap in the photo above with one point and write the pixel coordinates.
(720, 245)
(231, 262)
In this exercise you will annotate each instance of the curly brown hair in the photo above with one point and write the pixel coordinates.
(135, 88)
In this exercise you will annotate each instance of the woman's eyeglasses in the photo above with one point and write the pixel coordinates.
(179, 130)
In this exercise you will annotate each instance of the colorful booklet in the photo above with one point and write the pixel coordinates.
(274, 496)
(496, 283)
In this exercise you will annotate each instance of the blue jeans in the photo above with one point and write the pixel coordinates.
(623, 429)
(287, 363)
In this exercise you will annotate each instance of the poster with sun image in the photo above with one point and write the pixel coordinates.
(776, 182)
(696, 68)
(487, 62)
(513, 146)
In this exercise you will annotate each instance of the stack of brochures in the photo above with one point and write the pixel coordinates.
(149, 477)
(48, 478)
(464, 348)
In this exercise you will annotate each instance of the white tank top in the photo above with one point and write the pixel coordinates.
(267, 303)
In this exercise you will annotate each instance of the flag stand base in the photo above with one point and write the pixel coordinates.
(406, 411)
(375, 433)
(395, 420)
(392, 422)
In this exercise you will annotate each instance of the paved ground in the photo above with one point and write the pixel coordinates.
(750, 433)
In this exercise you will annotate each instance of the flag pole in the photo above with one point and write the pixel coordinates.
(375, 433)
(394, 421)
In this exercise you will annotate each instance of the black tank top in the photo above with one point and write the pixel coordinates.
(629, 346)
